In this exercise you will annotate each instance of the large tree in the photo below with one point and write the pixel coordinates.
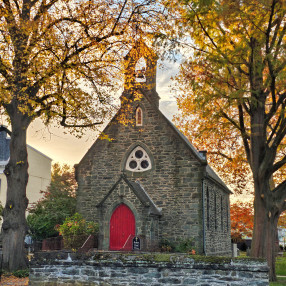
(234, 86)
(59, 60)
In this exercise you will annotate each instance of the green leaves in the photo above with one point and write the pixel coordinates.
(58, 203)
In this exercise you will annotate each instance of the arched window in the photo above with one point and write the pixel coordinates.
(140, 70)
(138, 160)
(139, 117)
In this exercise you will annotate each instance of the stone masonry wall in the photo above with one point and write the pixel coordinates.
(216, 220)
(123, 194)
(173, 183)
(131, 269)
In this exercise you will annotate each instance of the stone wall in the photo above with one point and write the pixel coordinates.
(173, 183)
(132, 269)
(216, 220)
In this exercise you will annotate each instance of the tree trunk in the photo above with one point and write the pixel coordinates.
(264, 232)
(14, 226)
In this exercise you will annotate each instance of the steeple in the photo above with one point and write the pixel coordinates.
(140, 70)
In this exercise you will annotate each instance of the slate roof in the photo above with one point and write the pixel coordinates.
(145, 198)
(139, 191)
(209, 171)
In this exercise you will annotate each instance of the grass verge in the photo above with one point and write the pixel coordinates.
(281, 266)
(280, 282)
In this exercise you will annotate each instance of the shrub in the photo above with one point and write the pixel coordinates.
(21, 273)
(186, 246)
(58, 202)
(166, 246)
(75, 230)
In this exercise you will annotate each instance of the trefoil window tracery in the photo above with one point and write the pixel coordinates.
(138, 160)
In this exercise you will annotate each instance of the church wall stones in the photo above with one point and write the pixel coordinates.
(167, 194)
(173, 183)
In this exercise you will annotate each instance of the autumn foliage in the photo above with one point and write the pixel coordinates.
(241, 216)
(60, 62)
(231, 91)
(282, 221)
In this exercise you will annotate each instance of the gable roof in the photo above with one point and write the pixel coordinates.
(139, 191)
(209, 172)
(149, 95)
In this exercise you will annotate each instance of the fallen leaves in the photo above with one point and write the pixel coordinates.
(15, 281)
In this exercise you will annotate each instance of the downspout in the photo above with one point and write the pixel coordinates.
(204, 227)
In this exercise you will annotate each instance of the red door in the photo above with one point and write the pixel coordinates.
(122, 228)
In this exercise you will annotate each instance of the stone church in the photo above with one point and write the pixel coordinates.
(148, 180)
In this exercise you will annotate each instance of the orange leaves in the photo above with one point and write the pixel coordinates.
(208, 130)
(241, 215)
(12, 280)
(238, 49)
(282, 220)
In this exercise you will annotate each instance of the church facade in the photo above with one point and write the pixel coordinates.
(148, 180)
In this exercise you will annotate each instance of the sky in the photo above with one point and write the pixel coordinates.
(66, 148)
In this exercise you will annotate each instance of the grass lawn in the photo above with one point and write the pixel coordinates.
(280, 270)
(281, 265)
(280, 282)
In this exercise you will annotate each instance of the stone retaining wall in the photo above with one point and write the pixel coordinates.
(152, 269)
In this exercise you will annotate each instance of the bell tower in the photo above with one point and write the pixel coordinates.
(140, 70)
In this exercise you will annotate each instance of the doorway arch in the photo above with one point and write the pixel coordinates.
(121, 228)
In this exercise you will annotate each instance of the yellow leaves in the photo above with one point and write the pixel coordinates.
(140, 66)
(104, 136)
(12, 280)
(62, 60)
(237, 55)
(137, 95)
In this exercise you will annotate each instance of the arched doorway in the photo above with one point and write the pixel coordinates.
(122, 228)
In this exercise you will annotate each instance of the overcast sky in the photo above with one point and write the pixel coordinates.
(66, 148)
